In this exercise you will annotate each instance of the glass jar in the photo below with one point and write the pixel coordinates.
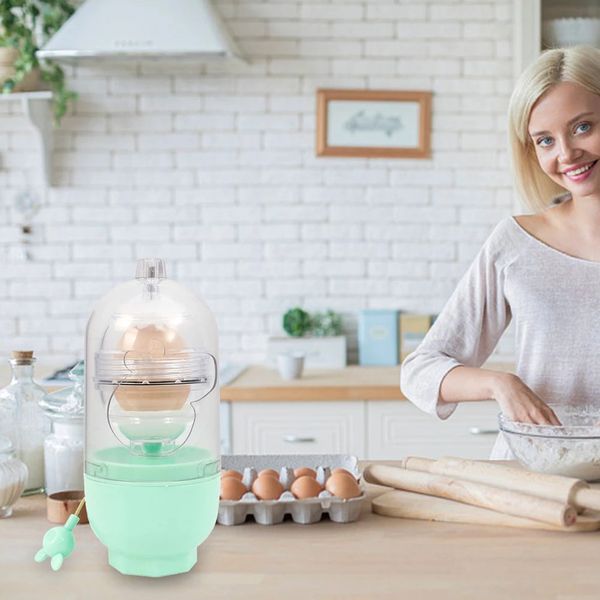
(63, 448)
(22, 419)
(13, 476)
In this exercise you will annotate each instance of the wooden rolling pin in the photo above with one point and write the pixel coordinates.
(408, 505)
(476, 494)
(567, 490)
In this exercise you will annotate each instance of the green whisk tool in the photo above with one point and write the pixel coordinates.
(59, 542)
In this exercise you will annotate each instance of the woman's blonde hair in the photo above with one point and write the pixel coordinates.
(581, 65)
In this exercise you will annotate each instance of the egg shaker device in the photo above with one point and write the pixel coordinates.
(152, 424)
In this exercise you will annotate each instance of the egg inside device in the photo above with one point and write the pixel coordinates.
(152, 430)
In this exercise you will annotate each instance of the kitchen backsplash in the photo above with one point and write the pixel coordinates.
(213, 167)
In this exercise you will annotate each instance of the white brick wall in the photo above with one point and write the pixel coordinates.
(213, 167)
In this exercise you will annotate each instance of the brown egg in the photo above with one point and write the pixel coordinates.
(232, 473)
(143, 343)
(344, 471)
(302, 471)
(306, 487)
(267, 488)
(269, 473)
(232, 488)
(342, 486)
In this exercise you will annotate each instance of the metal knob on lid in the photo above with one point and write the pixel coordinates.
(150, 268)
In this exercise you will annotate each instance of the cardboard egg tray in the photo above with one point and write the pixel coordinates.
(306, 511)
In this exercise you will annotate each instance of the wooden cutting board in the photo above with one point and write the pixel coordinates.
(408, 505)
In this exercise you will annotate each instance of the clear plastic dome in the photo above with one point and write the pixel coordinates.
(152, 401)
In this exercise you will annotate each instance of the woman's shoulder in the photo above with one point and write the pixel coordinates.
(534, 225)
(508, 241)
(546, 227)
(504, 234)
(546, 222)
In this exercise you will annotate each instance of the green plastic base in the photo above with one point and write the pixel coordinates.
(152, 529)
(157, 567)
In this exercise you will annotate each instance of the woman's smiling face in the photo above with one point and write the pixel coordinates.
(564, 128)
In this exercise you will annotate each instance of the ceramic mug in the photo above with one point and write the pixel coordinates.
(290, 366)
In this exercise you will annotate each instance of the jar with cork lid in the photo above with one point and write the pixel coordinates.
(22, 419)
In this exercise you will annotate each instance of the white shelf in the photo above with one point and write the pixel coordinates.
(43, 95)
(38, 108)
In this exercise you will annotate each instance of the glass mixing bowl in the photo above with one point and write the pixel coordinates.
(571, 449)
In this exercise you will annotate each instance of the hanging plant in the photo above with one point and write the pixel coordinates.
(25, 25)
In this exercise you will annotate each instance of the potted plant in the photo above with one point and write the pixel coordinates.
(318, 336)
(24, 26)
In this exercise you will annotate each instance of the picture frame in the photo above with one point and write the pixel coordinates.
(374, 123)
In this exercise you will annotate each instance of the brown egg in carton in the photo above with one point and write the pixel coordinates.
(270, 496)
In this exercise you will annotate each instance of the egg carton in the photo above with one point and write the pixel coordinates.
(306, 511)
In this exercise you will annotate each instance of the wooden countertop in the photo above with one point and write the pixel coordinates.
(258, 383)
(264, 384)
(375, 558)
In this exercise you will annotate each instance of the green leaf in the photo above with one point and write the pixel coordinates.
(26, 25)
(296, 322)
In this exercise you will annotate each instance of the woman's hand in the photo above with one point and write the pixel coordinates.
(520, 403)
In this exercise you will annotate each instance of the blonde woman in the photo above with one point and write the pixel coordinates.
(540, 270)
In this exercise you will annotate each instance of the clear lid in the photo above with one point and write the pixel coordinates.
(68, 402)
(151, 374)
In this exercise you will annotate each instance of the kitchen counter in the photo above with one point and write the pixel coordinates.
(264, 384)
(373, 558)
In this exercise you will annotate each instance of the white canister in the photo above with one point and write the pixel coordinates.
(63, 456)
(63, 448)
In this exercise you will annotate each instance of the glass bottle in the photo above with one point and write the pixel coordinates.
(63, 448)
(22, 419)
(13, 476)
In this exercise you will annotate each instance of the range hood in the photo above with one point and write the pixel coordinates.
(142, 29)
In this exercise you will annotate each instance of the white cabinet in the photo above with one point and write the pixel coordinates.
(298, 427)
(372, 430)
(398, 429)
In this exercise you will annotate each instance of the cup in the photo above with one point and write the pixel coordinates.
(62, 504)
(290, 366)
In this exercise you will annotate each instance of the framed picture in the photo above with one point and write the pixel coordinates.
(373, 124)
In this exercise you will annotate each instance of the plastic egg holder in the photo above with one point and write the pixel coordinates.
(152, 434)
(305, 511)
(150, 396)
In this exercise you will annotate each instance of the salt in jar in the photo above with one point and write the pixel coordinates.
(63, 448)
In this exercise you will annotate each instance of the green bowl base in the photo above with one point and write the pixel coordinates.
(152, 529)
(147, 567)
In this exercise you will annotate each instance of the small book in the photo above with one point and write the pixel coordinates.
(378, 337)
(412, 330)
